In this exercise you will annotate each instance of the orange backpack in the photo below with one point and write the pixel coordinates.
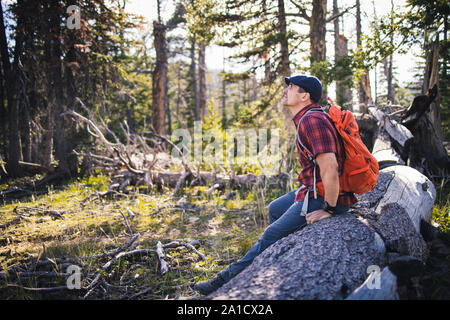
(360, 170)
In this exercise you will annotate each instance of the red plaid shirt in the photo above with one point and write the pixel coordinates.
(318, 135)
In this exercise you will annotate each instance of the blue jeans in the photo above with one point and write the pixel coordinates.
(284, 219)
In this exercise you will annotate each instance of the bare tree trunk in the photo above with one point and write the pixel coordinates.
(159, 76)
(26, 134)
(178, 89)
(48, 142)
(3, 114)
(284, 46)
(36, 152)
(387, 70)
(388, 67)
(343, 88)
(430, 79)
(445, 58)
(343, 91)
(71, 63)
(11, 76)
(317, 30)
(202, 80)
(364, 83)
(194, 80)
(60, 140)
(131, 121)
(376, 85)
(224, 104)
(167, 106)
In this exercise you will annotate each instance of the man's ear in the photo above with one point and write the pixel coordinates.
(307, 97)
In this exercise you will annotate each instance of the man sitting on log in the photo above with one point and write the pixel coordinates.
(296, 209)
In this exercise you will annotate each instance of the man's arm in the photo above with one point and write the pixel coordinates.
(330, 178)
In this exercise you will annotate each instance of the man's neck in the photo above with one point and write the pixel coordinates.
(296, 109)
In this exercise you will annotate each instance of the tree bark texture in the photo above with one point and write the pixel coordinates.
(11, 81)
(56, 88)
(224, 104)
(430, 79)
(317, 30)
(427, 149)
(284, 45)
(194, 80)
(159, 76)
(364, 83)
(202, 80)
(343, 88)
(387, 70)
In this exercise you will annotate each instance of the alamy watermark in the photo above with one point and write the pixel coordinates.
(374, 279)
(74, 280)
(74, 18)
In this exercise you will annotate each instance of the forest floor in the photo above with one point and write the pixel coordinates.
(63, 226)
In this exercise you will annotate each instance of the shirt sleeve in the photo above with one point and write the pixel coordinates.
(318, 135)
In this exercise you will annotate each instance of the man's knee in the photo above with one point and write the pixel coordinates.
(272, 209)
(275, 210)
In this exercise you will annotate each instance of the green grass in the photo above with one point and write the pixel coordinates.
(225, 233)
(441, 209)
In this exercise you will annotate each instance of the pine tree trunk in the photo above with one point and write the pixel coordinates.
(265, 54)
(364, 83)
(284, 46)
(194, 81)
(60, 142)
(131, 121)
(3, 114)
(387, 70)
(167, 106)
(343, 90)
(48, 142)
(11, 77)
(71, 64)
(26, 134)
(202, 80)
(224, 104)
(431, 78)
(317, 30)
(159, 76)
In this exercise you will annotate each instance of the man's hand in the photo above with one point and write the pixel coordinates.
(316, 216)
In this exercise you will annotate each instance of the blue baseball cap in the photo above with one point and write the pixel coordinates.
(310, 84)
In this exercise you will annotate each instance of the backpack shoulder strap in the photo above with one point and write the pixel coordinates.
(308, 152)
(309, 156)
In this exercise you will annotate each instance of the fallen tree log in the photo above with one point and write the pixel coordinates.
(35, 168)
(392, 141)
(171, 179)
(331, 258)
(384, 153)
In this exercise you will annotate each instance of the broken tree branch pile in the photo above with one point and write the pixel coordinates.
(48, 275)
(143, 161)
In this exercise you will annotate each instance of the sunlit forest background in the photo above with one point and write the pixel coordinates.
(141, 70)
